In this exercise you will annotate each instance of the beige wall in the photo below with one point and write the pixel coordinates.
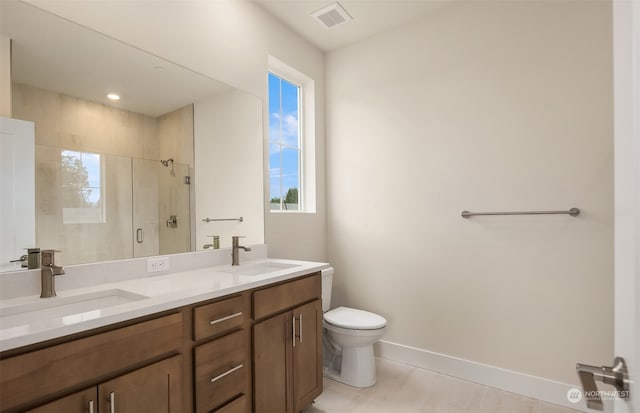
(480, 106)
(228, 142)
(5, 77)
(67, 122)
(229, 41)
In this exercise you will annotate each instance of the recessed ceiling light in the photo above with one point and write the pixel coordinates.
(113, 96)
(332, 16)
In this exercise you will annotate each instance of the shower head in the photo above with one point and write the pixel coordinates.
(166, 163)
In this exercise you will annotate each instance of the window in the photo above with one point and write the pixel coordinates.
(82, 187)
(284, 144)
(292, 158)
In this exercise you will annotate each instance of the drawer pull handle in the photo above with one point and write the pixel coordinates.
(300, 329)
(293, 331)
(91, 406)
(229, 317)
(112, 402)
(226, 373)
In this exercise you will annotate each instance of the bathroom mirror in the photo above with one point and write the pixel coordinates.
(138, 176)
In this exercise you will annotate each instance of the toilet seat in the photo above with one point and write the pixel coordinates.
(354, 319)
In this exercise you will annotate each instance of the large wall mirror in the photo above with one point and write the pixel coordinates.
(134, 177)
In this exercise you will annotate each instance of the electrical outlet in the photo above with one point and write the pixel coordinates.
(157, 264)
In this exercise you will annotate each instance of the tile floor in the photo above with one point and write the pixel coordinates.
(405, 389)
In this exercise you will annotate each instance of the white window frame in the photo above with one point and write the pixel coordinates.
(87, 215)
(306, 125)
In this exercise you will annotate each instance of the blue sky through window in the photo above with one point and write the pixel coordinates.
(284, 139)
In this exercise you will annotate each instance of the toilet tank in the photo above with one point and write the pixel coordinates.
(327, 283)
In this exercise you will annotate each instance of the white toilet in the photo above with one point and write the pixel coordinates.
(348, 340)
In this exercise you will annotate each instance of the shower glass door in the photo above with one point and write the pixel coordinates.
(161, 209)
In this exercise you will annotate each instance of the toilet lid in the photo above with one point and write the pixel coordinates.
(346, 317)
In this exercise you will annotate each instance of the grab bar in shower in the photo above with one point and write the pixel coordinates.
(574, 212)
(223, 219)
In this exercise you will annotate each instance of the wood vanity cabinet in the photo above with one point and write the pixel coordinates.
(287, 346)
(198, 358)
(50, 371)
(222, 364)
(155, 388)
(80, 402)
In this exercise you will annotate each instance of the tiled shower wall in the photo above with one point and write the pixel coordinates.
(131, 198)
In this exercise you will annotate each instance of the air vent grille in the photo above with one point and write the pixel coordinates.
(332, 16)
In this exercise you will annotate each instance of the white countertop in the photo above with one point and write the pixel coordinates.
(164, 292)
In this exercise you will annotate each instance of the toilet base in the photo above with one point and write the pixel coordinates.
(358, 367)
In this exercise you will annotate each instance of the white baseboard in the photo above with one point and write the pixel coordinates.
(503, 379)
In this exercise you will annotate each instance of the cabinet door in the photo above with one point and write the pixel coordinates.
(153, 389)
(85, 401)
(272, 353)
(307, 354)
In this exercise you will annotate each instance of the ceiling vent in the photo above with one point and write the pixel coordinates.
(332, 16)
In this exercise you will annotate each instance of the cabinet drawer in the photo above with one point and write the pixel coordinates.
(221, 369)
(273, 299)
(56, 368)
(239, 405)
(213, 319)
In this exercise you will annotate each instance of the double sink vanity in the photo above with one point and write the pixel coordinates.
(210, 338)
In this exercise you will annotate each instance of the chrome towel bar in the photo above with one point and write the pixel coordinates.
(223, 219)
(574, 212)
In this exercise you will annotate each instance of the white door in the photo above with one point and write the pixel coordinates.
(627, 194)
(625, 369)
(17, 190)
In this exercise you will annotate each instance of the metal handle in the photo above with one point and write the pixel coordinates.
(574, 212)
(222, 219)
(112, 402)
(293, 331)
(172, 222)
(91, 406)
(616, 375)
(139, 235)
(229, 317)
(219, 376)
(22, 258)
(300, 324)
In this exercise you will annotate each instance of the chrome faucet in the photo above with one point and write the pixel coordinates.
(49, 270)
(235, 247)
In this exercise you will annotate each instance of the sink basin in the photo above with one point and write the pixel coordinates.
(262, 268)
(71, 309)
